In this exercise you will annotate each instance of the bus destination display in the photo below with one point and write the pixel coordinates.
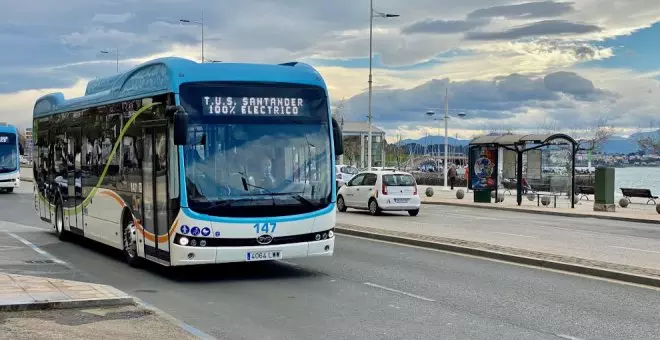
(253, 106)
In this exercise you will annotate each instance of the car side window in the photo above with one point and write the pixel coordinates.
(369, 180)
(357, 180)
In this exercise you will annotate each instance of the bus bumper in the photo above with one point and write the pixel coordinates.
(9, 182)
(183, 255)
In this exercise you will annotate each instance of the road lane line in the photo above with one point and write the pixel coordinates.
(635, 249)
(37, 249)
(509, 234)
(398, 291)
(569, 337)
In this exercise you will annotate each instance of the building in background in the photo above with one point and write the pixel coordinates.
(356, 142)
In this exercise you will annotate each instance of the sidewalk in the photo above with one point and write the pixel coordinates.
(638, 211)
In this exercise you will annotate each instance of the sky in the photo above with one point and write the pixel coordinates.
(507, 65)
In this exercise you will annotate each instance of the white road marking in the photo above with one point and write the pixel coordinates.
(481, 258)
(7, 226)
(569, 337)
(398, 291)
(635, 249)
(37, 249)
(509, 234)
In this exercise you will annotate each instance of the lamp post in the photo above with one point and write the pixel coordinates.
(446, 119)
(201, 24)
(117, 53)
(372, 14)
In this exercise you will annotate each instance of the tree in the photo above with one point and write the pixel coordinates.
(352, 149)
(650, 144)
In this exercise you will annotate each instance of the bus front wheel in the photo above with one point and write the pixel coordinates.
(130, 244)
(59, 222)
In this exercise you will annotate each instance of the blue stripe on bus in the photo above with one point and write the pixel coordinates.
(291, 218)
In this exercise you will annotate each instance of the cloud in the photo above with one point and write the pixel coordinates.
(529, 10)
(113, 18)
(503, 99)
(541, 28)
(443, 26)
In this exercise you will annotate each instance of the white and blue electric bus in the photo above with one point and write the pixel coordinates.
(186, 163)
(10, 176)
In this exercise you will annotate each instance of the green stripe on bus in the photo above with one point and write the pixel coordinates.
(91, 194)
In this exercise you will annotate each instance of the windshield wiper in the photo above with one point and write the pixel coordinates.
(223, 204)
(295, 195)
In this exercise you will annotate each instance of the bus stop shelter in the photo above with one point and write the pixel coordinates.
(521, 144)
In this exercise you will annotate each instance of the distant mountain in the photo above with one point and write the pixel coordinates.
(616, 144)
(434, 140)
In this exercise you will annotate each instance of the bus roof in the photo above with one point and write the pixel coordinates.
(8, 129)
(165, 75)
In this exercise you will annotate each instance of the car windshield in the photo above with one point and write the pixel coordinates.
(399, 180)
(349, 170)
(8, 153)
(257, 166)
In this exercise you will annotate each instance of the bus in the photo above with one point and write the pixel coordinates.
(186, 163)
(10, 170)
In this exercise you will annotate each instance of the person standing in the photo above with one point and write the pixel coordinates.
(452, 176)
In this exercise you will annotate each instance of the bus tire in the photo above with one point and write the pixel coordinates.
(62, 234)
(129, 237)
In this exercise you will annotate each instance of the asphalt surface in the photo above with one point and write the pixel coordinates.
(628, 243)
(368, 290)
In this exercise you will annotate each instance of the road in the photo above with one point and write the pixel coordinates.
(628, 243)
(369, 290)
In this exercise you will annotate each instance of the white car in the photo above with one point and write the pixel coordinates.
(344, 174)
(378, 191)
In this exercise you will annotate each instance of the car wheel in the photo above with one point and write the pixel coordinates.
(413, 212)
(130, 244)
(341, 205)
(61, 233)
(373, 207)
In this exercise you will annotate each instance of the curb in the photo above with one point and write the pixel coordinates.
(25, 179)
(66, 304)
(567, 267)
(552, 213)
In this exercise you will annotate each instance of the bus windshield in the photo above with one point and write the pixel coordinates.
(8, 153)
(266, 159)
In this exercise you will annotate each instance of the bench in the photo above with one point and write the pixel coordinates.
(639, 193)
(585, 191)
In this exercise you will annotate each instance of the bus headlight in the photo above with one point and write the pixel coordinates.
(331, 234)
(183, 241)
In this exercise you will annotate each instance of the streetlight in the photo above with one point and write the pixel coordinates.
(446, 119)
(373, 14)
(117, 52)
(200, 23)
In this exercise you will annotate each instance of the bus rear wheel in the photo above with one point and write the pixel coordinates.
(130, 244)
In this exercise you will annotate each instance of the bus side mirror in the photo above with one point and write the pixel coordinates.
(338, 138)
(180, 127)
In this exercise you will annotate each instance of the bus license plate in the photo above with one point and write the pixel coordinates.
(264, 255)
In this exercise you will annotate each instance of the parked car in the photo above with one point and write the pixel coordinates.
(378, 191)
(344, 174)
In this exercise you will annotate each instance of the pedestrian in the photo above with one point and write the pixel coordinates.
(452, 176)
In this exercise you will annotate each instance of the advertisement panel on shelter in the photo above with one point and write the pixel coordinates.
(483, 168)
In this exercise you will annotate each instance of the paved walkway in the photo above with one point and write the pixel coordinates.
(638, 210)
(31, 292)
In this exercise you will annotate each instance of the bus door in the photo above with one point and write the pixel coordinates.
(43, 174)
(74, 180)
(155, 194)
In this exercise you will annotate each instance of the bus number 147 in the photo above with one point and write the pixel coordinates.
(264, 227)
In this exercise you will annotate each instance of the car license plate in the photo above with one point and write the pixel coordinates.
(400, 200)
(264, 255)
